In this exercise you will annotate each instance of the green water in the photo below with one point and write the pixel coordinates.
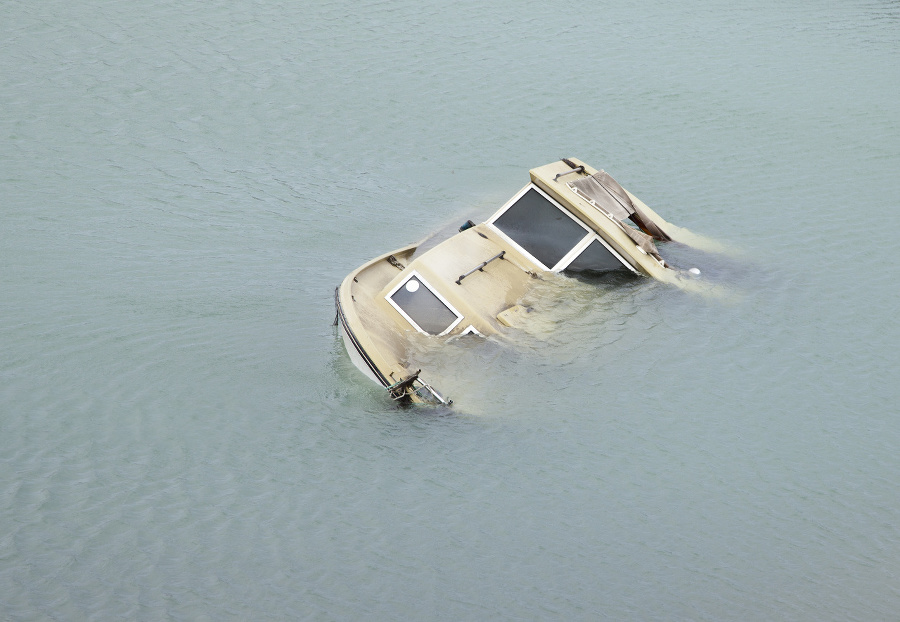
(183, 437)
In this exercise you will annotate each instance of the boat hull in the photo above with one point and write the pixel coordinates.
(355, 351)
(569, 217)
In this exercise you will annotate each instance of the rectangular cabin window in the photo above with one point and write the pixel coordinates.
(541, 227)
(596, 257)
(422, 307)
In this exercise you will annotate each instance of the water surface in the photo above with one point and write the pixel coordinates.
(183, 436)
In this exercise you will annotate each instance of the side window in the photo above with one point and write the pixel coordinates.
(596, 257)
(422, 307)
(544, 230)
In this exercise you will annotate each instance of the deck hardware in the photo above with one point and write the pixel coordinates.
(398, 389)
(393, 261)
(480, 267)
(580, 169)
(337, 309)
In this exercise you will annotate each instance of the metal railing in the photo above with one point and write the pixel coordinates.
(480, 267)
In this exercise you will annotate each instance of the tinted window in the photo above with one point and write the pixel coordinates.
(595, 257)
(540, 227)
(425, 309)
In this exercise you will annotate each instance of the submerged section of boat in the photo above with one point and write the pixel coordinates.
(569, 217)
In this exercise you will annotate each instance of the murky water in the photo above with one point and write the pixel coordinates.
(183, 436)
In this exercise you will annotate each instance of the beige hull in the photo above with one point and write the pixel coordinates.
(473, 281)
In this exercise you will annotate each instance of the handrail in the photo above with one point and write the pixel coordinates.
(579, 169)
(480, 267)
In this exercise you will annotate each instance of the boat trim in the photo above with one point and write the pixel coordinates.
(415, 274)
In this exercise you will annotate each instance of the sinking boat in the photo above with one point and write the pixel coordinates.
(569, 217)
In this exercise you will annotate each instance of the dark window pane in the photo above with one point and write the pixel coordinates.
(425, 309)
(540, 227)
(595, 257)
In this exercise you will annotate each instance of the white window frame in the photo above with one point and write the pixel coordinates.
(562, 264)
(423, 282)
